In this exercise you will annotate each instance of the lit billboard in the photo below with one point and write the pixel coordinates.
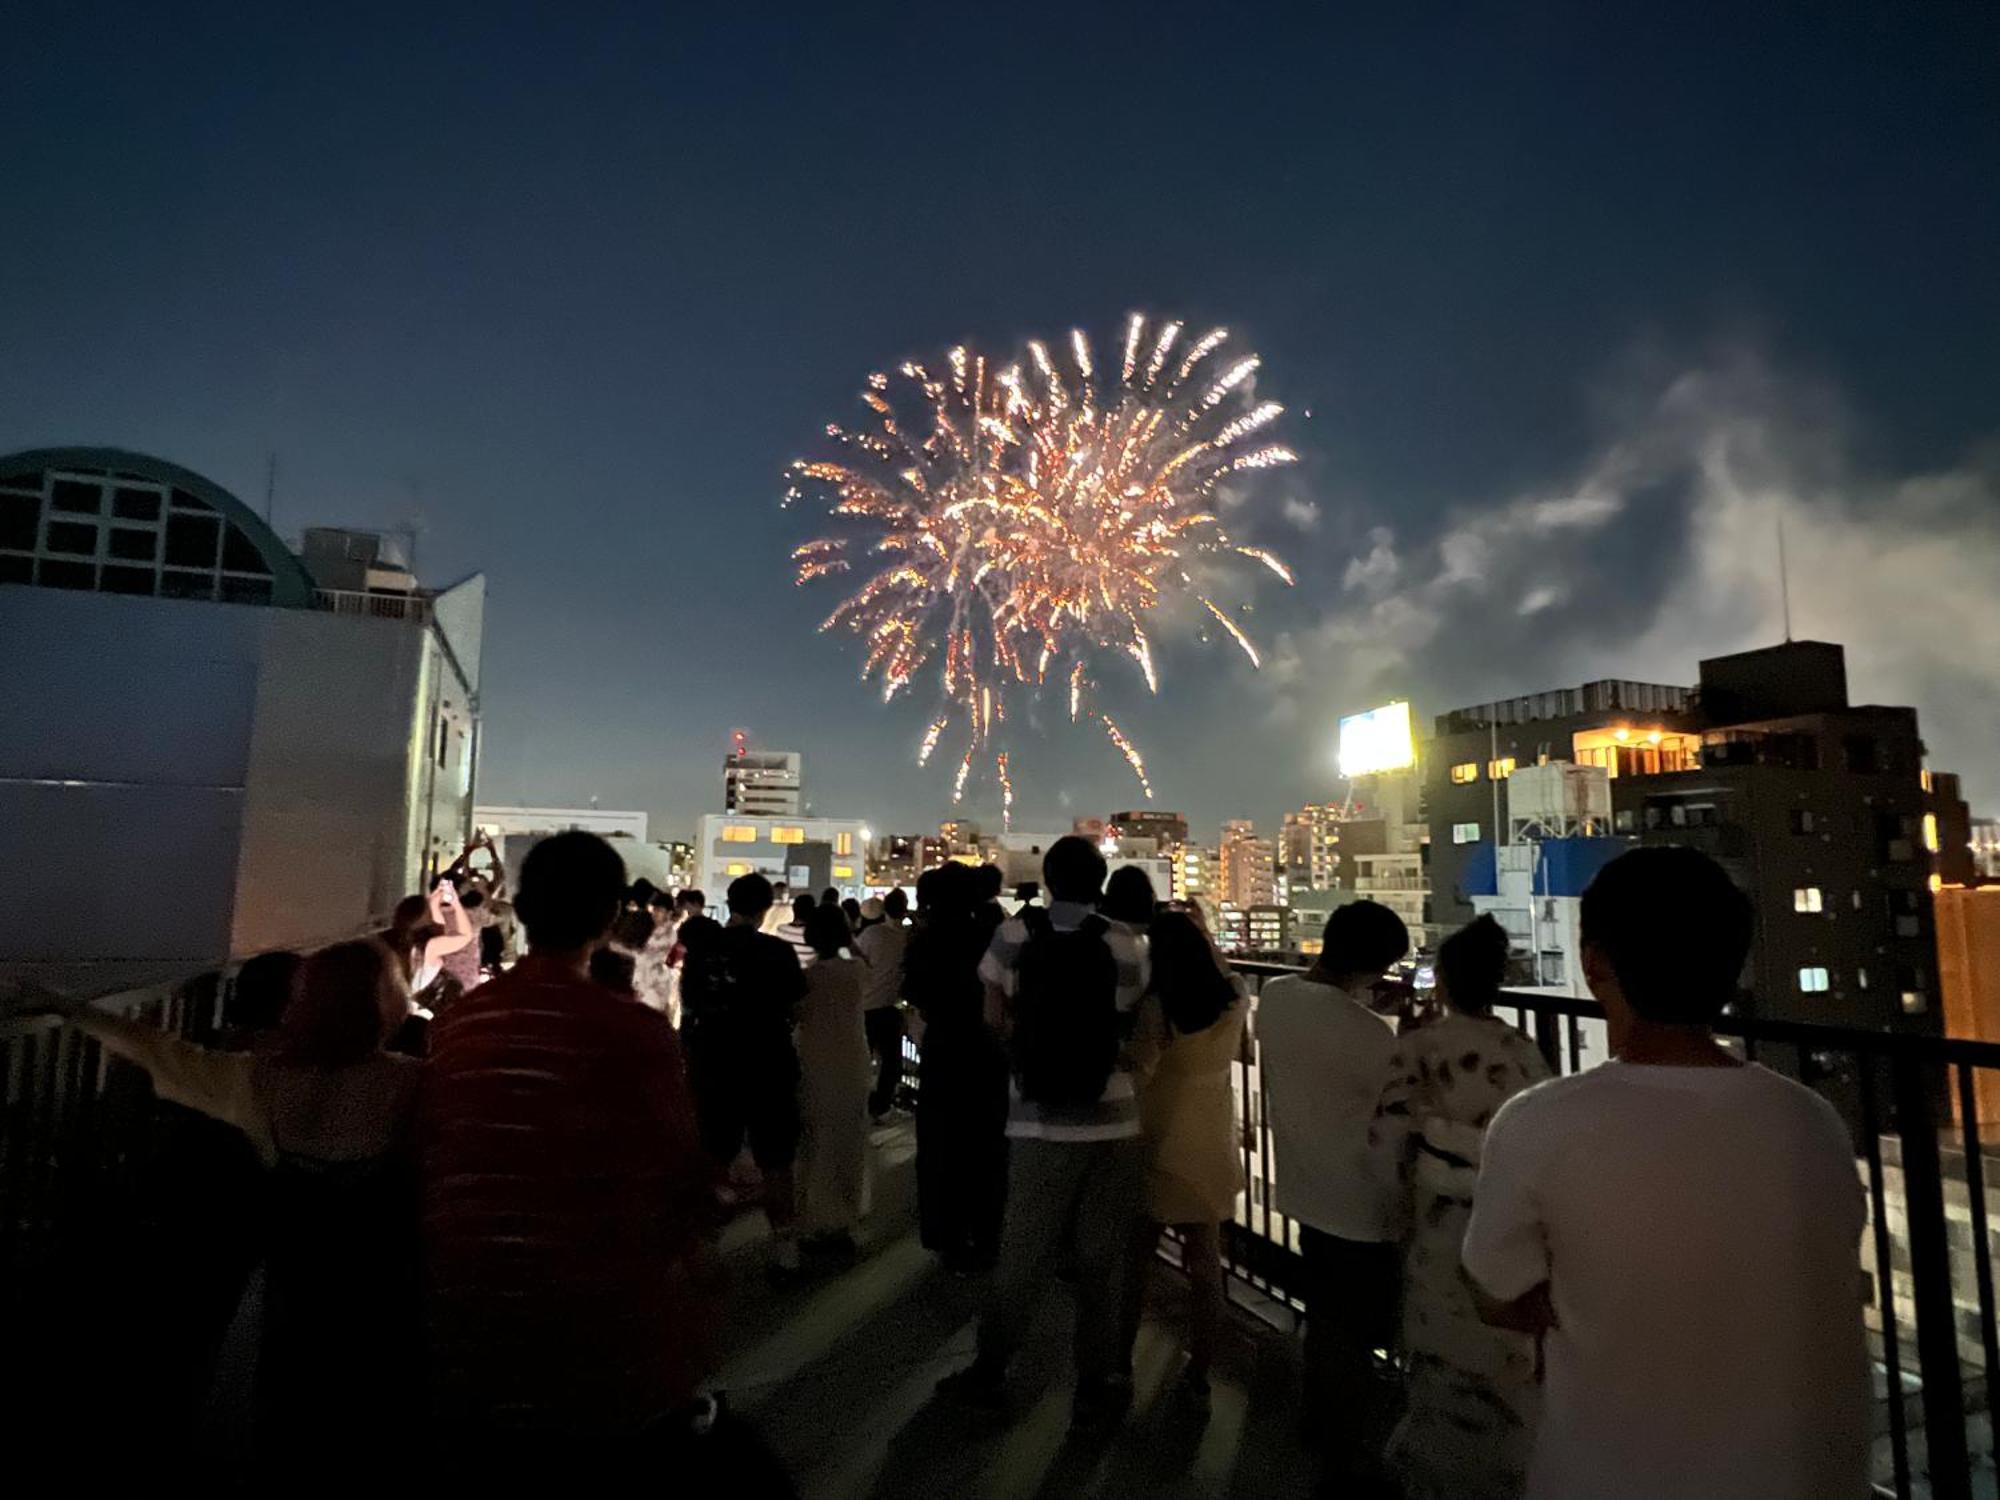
(1379, 740)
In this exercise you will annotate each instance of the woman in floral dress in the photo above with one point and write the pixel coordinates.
(1468, 1427)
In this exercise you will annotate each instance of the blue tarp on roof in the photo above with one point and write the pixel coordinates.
(1566, 866)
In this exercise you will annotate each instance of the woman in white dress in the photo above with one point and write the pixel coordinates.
(835, 1066)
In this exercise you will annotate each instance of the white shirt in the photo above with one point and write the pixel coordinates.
(882, 945)
(1115, 1116)
(1324, 1056)
(1699, 1231)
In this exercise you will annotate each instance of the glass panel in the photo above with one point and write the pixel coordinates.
(128, 580)
(20, 519)
(191, 541)
(134, 545)
(16, 569)
(77, 497)
(67, 575)
(79, 538)
(246, 590)
(240, 554)
(136, 505)
(187, 585)
(184, 501)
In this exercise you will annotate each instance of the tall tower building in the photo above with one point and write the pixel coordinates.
(1309, 846)
(762, 783)
(1249, 866)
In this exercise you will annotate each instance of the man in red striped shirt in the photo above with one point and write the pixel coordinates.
(567, 1202)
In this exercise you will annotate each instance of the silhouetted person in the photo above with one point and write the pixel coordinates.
(740, 993)
(833, 1062)
(1679, 1228)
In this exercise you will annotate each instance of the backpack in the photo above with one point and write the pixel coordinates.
(1067, 1029)
(708, 983)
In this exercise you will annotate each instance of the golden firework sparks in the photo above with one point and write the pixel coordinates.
(1033, 515)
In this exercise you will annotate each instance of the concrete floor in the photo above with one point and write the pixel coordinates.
(837, 1374)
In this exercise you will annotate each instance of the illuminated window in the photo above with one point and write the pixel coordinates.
(1806, 898)
(843, 843)
(784, 835)
(1924, 780)
(739, 833)
(1861, 979)
(1931, 832)
(1813, 981)
(1465, 833)
(736, 870)
(1936, 882)
(1500, 769)
(843, 872)
(1914, 1003)
(1465, 771)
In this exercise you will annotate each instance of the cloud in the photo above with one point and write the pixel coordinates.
(1662, 549)
(1303, 514)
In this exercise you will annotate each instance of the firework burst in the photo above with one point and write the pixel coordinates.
(1018, 525)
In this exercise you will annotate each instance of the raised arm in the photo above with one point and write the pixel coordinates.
(215, 1083)
(448, 914)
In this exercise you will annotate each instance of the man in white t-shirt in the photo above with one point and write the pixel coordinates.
(1325, 1055)
(1681, 1227)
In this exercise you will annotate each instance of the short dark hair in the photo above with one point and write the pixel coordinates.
(803, 907)
(1363, 937)
(1073, 869)
(896, 904)
(263, 988)
(633, 929)
(1472, 964)
(748, 895)
(989, 882)
(1129, 896)
(572, 887)
(827, 931)
(1675, 929)
(692, 896)
(830, 896)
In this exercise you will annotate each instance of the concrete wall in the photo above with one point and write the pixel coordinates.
(124, 746)
(183, 781)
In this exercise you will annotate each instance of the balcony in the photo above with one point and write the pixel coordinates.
(415, 608)
(104, 1260)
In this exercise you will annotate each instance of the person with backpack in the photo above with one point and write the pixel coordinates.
(740, 994)
(1062, 987)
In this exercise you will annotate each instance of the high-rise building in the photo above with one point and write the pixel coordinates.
(1948, 829)
(896, 859)
(1985, 845)
(1816, 807)
(762, 783)
(1309, 846)
(1168, 830)
(1248, 866)
(1197, 873)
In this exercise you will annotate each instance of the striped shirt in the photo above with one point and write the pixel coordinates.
(1115, 1116)
(564, 1189)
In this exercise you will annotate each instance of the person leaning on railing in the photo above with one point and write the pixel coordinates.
(1682, 1226)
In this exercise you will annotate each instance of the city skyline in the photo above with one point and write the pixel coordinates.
(1550, 404)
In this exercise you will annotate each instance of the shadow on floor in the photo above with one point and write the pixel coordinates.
(838, 1375)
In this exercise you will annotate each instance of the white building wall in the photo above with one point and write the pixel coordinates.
(183, 781)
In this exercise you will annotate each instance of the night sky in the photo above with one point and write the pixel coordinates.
(1580, 303)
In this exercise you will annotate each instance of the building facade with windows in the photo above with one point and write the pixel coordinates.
(1816, 806)
(804, 853)
(1247, 873)
(763, 783)
(204, 724)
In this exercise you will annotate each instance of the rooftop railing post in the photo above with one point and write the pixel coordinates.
(1950, 1468)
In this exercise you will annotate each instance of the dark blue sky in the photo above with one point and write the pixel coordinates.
(570, 284)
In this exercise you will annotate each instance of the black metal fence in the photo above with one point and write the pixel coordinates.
(1914, 1104)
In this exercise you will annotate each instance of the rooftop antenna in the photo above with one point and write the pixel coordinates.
(1784, 579)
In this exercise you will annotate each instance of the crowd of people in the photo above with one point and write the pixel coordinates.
(492, 1182)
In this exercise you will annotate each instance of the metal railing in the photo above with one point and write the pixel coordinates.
(412, 607)
(1914, 1104)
